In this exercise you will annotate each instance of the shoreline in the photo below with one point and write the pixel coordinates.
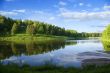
(27, 38)
(40, 37)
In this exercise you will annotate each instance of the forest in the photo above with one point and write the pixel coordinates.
(10, 27)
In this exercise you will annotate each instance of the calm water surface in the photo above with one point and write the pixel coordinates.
(67, 53)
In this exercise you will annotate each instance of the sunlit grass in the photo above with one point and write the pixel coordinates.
(28, 38)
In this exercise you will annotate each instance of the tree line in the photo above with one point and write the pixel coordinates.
(9, 26)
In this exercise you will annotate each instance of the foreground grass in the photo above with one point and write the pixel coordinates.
(53, 69)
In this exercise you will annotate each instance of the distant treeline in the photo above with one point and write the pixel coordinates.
(84, 34)
(9, 26)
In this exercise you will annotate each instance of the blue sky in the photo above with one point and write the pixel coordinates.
(81, 15)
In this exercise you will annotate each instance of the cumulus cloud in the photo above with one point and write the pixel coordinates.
(62, 3)
(20, 11)
(96, 9)
(12, 12)
(8, 13)
(40, 15)
(39, 12)
(106, 7)
(104, 15)
(51, 18)
(81, 4)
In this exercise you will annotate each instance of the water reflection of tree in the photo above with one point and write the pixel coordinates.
(5, 50)
(40, 47)
(10, 49)
(17, 49)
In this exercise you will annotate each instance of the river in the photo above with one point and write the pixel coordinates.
(69, 53)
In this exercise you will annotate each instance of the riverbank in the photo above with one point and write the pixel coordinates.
(28, 38)
(53, 69)
(40, 37)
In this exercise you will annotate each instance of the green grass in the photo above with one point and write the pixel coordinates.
(53, 69)
(28, 38)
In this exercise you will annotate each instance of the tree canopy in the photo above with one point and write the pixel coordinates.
(9, 26)
(106, 33)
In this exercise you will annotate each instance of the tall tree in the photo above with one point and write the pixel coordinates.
(30, 29)
(14, 29)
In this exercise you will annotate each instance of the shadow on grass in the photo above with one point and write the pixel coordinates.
(48, 68)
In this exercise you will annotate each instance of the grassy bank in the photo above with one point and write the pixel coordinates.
(39, 37)
(28, 38)
(53, 69)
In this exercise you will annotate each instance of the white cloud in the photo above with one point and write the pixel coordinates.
(39, 12)
(96, 9)
(84, 10)
(8, 13)
(106, 7)
(62, 9)
(40, 15)
(51, 18)
(81, 4)
(12, 12)
(104, 15)
(20, 11)
(62, 3)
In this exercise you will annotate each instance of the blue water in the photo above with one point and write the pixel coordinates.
(70, 55)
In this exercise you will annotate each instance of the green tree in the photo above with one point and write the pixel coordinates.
(30, 29)
(106, 33)
(5, 25)
(14, 29)
(41, 29)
